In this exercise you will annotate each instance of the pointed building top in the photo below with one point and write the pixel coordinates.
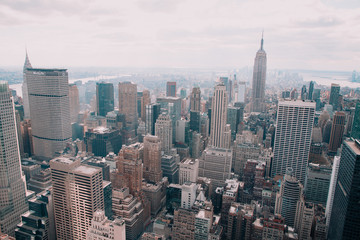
(27, 63)
(262, 41)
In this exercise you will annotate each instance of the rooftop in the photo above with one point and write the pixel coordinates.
(87, 170)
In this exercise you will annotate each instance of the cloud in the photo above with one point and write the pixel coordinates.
(321, 22)
(163, 33)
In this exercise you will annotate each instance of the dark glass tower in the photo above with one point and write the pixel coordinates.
(334, 96)
(104, 98)
(355, 130)
(345, 216)
(311, 90)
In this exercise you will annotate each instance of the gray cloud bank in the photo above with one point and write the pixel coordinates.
(308, 34)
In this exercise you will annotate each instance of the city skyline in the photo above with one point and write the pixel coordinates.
(182, 34)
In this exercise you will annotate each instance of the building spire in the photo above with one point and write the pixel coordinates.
(27, 63)
(262, 40)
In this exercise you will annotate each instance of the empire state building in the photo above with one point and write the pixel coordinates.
(259, 78)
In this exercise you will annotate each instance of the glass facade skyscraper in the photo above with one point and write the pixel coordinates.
(104, 98)
(345, 216)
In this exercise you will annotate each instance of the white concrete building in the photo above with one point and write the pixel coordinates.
(163, 129)
(104, 229)
(294, 125)
(188, 195)
(188, 170)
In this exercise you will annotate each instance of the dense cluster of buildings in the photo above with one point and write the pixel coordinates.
(228, 164)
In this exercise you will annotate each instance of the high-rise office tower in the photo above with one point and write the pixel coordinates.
(78, 193)
(241, 93)
(303, 93)
(311, 90)
(171, 89)
(218, 116)
(128, 102)
(40, 209)
(355, 129)
(287, 198)
(337, 131)
(152, 159)
(215, 164)
(233, 118)
(172, 106)
(334, 96)
(195, 99)
(12, 181)
(129, 168)
(48, 91)
(163, 129)
(345, 216)
(145, 100)
(104, 98)
(152, 114)
(304, 218)
(27, 65)
(332, 187)
(317, 183)
(259, 79)
(74, 102)
(295, 121)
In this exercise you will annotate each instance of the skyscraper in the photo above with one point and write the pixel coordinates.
(145, 100)
(355, 129)
(334, 96)
(304, 94)
(288, 196)
(104, 98)
(218, 116)
(152, 114)
(128, 102)
(311, 90)
(215, 164)
(12, 181)
(171, 89)
(295, 121)
(195, 99)
(345, 216)
(163, 129)
(78, 193)
(48, 91)
(259, 79)
(41, 209)
(337, 131)
(74, 102)
(129, 168)
(152, 159)
(27, 65)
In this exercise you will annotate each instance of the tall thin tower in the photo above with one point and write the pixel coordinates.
(259, 79)
(218, 116)
(12, 181)
(27, 65)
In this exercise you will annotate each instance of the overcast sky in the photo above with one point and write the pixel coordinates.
(305, 34)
